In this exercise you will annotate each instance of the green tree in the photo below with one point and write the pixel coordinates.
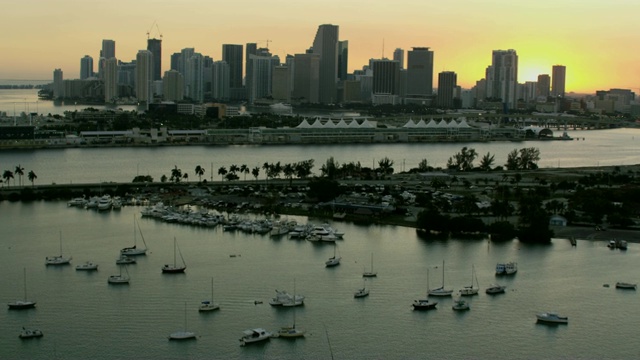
(32, 176)
(163, 178)
(323, 189)
(330, 168)
(199, 171)
(288, 170)
(487, 162)
(244, 169)
(222, 171)
(463, 160)
(423, 165)
(513, 162)
(176, 174)
(19, 171)
(385, 166)
(7, 176)
(255, 172)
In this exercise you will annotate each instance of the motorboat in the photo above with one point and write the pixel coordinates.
(285, 299)
(125, 260)
(87, 266)
(77, 202)
(92, 203)
(105, 202)
(460, 305)
(290, 332)
(116, 203)
(22, 304)
(254, 335)
(625, 285)
(30, 333)
(183, 334)
(119, 279)
(424, 304)
(495, 289)
(135, 250)
(509, 268)
(175, 268)
(209, 305)
(362, 292)
(552, 318)
(334, 260)
(471, 290)
(441, 291)
(58, 259)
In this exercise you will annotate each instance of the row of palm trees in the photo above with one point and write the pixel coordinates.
(7, 175)
(301, 169)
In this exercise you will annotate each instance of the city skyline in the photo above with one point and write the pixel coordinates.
(594, 40)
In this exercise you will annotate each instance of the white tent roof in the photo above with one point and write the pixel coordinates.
(366, 124)
(341, 124)
(443, 124)
(304, 124)
(421, 124)
(432, 123)
(409, 124)
(463, 123)
(316, 124)
(329, 124)
(353, 124)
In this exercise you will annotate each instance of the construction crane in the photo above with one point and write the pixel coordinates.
(151, 28)
(266, 41)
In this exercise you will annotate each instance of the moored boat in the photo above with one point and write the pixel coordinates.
(87, 266)
(30, 333)
(22, 304)
(460, 305)
(125, 260)
(552, 318)
(175, 268)
(625, 285)
(254, 335)
(58, 259)
(495, 289)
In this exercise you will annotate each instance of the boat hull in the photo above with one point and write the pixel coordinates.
(173, 270)
(552, 319)
(22, 305)
(424, 305)
(182, 335)
(30, 334)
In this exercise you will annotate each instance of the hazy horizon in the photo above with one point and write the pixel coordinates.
(462, 34)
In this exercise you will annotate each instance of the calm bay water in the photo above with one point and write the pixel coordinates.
(83, 317)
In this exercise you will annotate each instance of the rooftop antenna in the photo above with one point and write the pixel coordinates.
(383, 48)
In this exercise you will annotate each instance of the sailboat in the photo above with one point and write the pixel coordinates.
(175, 268)
(362, 292)
(119, 279)
(58, 259)
(334, 260)
(184, 334)
(441, 291)
(291, 331)
(424, 304)
(134, 250)
(471, 290)
(22, 304)
(370, 273)
(209, 305)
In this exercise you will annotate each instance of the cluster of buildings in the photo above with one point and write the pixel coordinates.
(317, 75)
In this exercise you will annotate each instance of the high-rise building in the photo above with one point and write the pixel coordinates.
(86, 67)
(543, 86)
(502, 77)
(108, 49)
(110, 80)
(343, 59)
(258, 82)
(398, 55)
(281, 83)
(58, 84)
(232, 55)
(558, 79)
(419, 72)
(386, 81)
(306, 77)
(155, 46)
(251, 49)
(325, 45)
(220, 83)
(194, 77)
(173, 86)
(175, 61)
(144, 67)
(447, 82)
(127, 74)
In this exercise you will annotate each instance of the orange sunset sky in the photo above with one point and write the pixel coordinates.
(598, 41)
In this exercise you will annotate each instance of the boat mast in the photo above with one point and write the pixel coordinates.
(442, 274)
(174, 256)
(25, 283)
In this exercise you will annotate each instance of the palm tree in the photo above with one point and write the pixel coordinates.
(266, 166)
(288, 170)
(255, 172)
(32, 176)
(176, 174)
(7, 175)
(19, 171)
(185, 176)
(245, 170)
(199, 171)
(233, 168)
(222, 171)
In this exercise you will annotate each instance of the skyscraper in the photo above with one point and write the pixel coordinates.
(193, 77)
(173, 86)
(544, 83)
(144, 67)
(108, 49)
(306, 77)
(252, 49)
(232, 55)
(447, 82)
(398, 55)
(58, 84)
(325, 45)
(558, 78)
(386, 77)
(419, 72)
(110, 80)
(86, 67)
(220, 83)
(502, 77)
(343, 59)
(281, 83)
(155, 46)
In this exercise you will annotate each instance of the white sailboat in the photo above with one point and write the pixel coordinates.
(424, 304)
(183, 334)
(22, 304)
(292, 331)
(334, 260)
(441, 291)
(370, 273)
(119, 279)
(58, 259)
(209, 305)
(175, 268)
(135, 250)
(471, 290)
(362, 292)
